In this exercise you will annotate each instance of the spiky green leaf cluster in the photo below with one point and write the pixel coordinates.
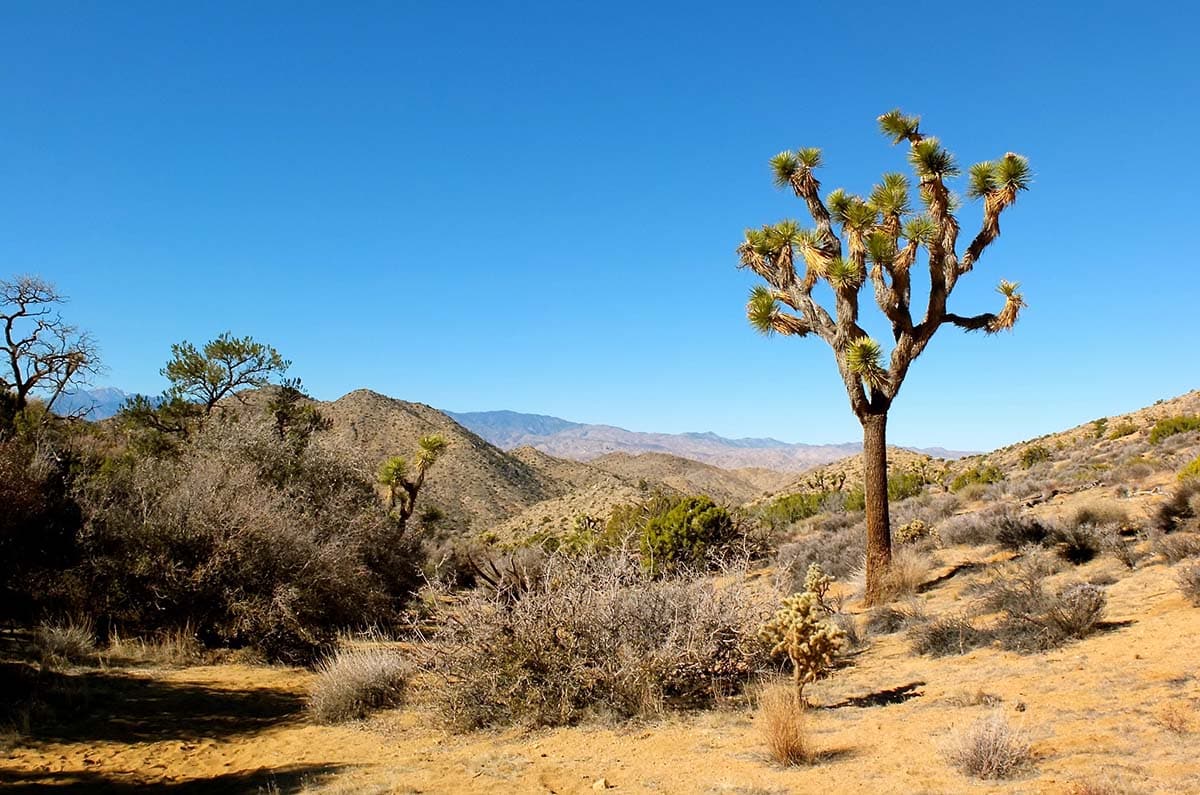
(787, 166)
(864, 358)
(881, 249)
(837, 202)
(919, 228)
(897, 126)
(430, 448)
(1013, 172)
(761, 309)
(844, 274)
(890, 197)
(931, 160)
(859, 215)
(982, 178)
(392, 471)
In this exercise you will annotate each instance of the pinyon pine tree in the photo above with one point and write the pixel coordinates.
(881, 238)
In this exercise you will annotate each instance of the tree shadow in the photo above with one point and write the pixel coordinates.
(123, 707)
(882, 698)
(929, 585)
(289, 779)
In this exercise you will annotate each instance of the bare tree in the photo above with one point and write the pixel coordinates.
(43, 355)
(883, 236)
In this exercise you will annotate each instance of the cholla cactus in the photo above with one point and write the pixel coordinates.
(915, 531)
(802, 630)
(817, 582)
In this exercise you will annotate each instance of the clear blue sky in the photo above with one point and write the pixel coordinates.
(534, 206)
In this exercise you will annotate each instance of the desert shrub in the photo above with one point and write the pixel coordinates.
(1170, 426)
(976, 528)
(38, 525)
(983, 474)
(352, 683)
(594, 633)
(887, 619)
(175, 647)
(839, 552)
(791, 508)
(62, 642)
(781, 720)
(903, 485)
(1122, 429)
(802, 630)
(1099, 427)
(855, 499)
(856, 637)
(1180, 511)
(1176, 546)
(1190, 471)
(1017, 530)
(1076, 543)
(249, 538)
(1034, 619)
(1188, 577)
(946, 635)
(1034, 454)
(908, 571)
(989, 749)
(686, 535)
(929, 508)
(1100, 513)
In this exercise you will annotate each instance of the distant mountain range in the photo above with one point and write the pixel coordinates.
(92, 404)
(579, 441)
(582, 442)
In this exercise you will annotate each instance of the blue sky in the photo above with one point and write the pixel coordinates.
(534, 206)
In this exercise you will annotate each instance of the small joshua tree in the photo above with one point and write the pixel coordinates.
(803, 631)
(883, 236)
(401, 489)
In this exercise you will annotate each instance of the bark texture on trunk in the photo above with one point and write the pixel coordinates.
(879, 532)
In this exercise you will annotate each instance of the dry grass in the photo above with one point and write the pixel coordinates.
(65, 642)
(1175, 718)
(909, 570)
(989, 749)
(174, 648)
(352, 683)
(782, 722)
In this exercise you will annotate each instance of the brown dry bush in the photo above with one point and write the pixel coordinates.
(248, 539)
(989, 749)
(946, 635)
(595, 634)
(1176, 546)
(781, 720)
(908, 571)
(839, 552)
(1180, 512)
(1034, 619)
(59, 643)
(353, 683)
(1188, 578)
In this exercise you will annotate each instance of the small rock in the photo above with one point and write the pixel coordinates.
(601, 783)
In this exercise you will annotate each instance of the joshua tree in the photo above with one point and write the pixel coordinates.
(401, 489)
(882, 237)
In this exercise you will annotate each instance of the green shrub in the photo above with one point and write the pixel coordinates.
(1173, 425)
(1034, 454)
(983, 474)
(1122, 430)
(1099, 427)
(903, 485)
(793, 507)
(685, 535)
(1190, 471)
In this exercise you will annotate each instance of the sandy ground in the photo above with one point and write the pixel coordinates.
(1121, 707)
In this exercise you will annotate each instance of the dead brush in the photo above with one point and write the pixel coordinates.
(781, 718)
(65, 642)
(176, 647)
(989, 749)
(1188, 578)
(353, 683)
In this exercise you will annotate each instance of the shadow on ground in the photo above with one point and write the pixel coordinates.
(124, 707)
(279, 780)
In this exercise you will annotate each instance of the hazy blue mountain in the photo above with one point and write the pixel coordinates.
(583, 442)
(95, 404)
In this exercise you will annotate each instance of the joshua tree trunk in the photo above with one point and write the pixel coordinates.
(875, 487)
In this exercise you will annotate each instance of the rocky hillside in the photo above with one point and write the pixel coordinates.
(689, 477)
